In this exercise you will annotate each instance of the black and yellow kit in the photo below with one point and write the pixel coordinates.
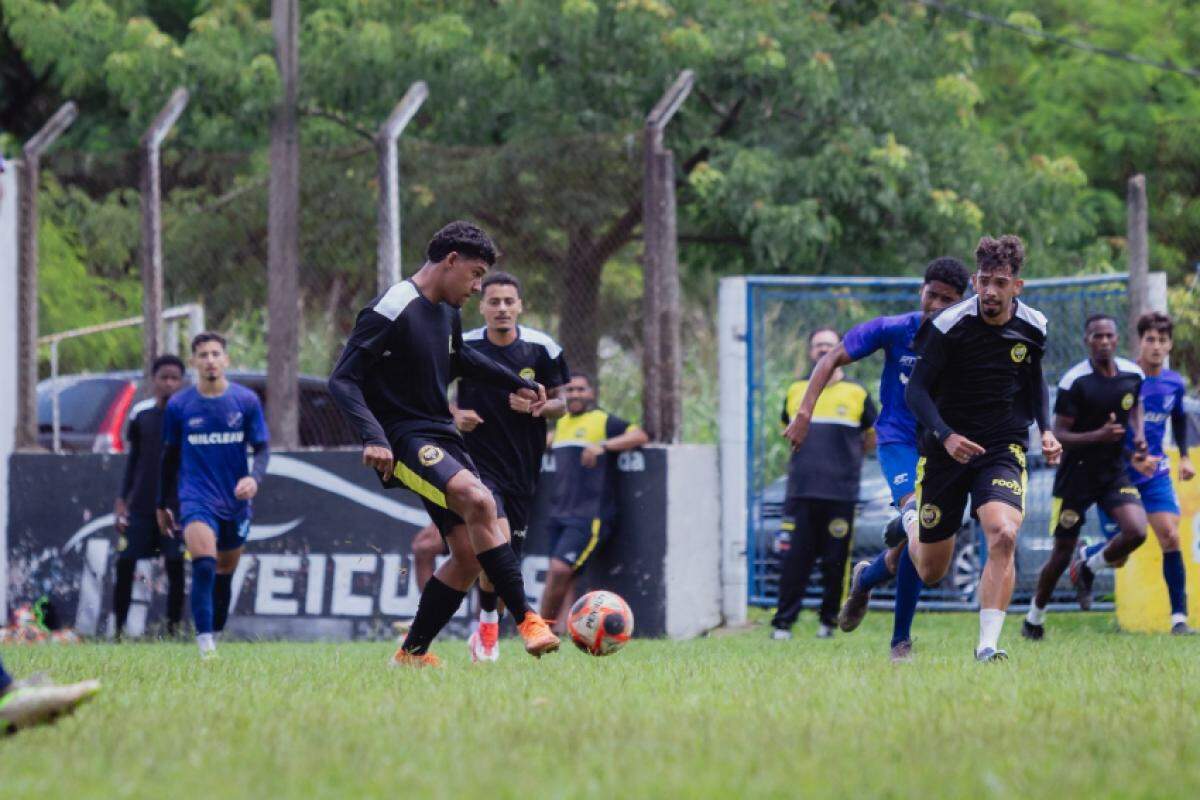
(983, 382)
(1093, 473)
(585, 502)
(822, 488)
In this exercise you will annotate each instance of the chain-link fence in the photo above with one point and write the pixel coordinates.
(781, 314)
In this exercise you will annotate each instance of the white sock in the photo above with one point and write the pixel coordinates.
(1036, 616)
(1178, 618)
(489, 616)
(206, 642)
(910, 520)
(1098, 562)
(991, 621)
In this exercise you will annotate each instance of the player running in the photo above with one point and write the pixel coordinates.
(1162, 396)
(976, 388)
(206, 429)
(503, 437)
(1097, 403)
(38, 701)
(137, 503)
(390, 382)
(945, 281)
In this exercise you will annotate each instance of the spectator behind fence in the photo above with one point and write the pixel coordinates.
(135, 506)
(584, 507)
(822, 488)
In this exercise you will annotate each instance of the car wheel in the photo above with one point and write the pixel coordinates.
(963, 578)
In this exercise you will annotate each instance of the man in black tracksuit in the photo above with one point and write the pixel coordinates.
(135, 505)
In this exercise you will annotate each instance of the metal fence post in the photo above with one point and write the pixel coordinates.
(661, 359)
(1138, 243)
(388, 215)
(27, 282)
(151, 252)
(283, 237)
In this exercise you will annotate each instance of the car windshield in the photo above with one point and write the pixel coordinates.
(81, 403)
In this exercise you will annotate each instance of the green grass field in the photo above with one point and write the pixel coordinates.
(1089, 713)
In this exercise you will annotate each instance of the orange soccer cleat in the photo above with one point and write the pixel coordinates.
(539, 639)
(484, 643)
(403, 658)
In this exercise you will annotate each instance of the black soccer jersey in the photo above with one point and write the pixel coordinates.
(579, 491)
(139, 488)
(985, 381)
(391, 378)
(1089, 398)
(508, 446)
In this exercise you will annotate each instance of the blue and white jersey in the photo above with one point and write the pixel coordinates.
(212, 434)
(1162, 398)
(896, 424)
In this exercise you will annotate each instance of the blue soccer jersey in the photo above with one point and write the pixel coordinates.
(1162, 397)
(896, 424)
(212, 434)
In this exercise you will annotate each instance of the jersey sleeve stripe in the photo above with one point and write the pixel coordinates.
(1125, 365)
(395, 300)
(474, 335)
(955, 314)
(1075, 373)
(145, 405)
(534, 336)
(1031, 315)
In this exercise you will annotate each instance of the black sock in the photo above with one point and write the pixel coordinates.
(174, 594)
(123, 591)
(487, 600)
(437, 605)
(503, 569)
(222, 592)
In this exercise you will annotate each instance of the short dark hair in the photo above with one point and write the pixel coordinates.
(1155, 321)
(949, 271)
(813, 334)
(587, 376)
(993, 254)
(501, 279)
(167, 360)
(208, 336)
(1098, 317)
(464, 238)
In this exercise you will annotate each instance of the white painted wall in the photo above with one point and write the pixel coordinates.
(693, 568)
(8, 360)
(735, 389)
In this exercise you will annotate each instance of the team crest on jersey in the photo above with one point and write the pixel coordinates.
(1019, 351)
(838, 528)
(1068, 518)
(430, 455)
(527, 373)
(1127, 401)
(931, 515)
(234, 419)
(196, 422)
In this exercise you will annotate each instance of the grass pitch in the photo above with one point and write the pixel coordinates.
(1088, 713)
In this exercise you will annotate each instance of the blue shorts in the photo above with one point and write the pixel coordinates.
(898, 462)
(1158, 495)
(231, 533)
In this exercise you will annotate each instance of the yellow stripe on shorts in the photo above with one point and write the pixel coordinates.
(1055, 510)
(419, 485)
(591, 545)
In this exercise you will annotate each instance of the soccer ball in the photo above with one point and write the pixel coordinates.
(600, 623)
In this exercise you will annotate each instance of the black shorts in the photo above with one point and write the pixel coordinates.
(1076, 489)
(143, 539)
(514, 508)
(943, 485)
(425, 463)
(573, 540)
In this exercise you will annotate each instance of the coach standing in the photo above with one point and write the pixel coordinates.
(822, 488)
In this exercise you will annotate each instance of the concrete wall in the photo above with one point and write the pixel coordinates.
(734, 420)
(8, 359)
(693, 574)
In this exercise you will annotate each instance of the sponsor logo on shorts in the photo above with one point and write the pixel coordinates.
(1010, 484)
(1127, 401)
(1130, 490)
(931, 515)
(1018, 453)
(900, 479)
(1068, 518)
(1018, 352)
(838, 528)
(430, 455)
(527, 373)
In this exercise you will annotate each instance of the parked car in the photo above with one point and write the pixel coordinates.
(94, 409)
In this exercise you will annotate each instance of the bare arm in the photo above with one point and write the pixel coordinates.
(631, 439)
